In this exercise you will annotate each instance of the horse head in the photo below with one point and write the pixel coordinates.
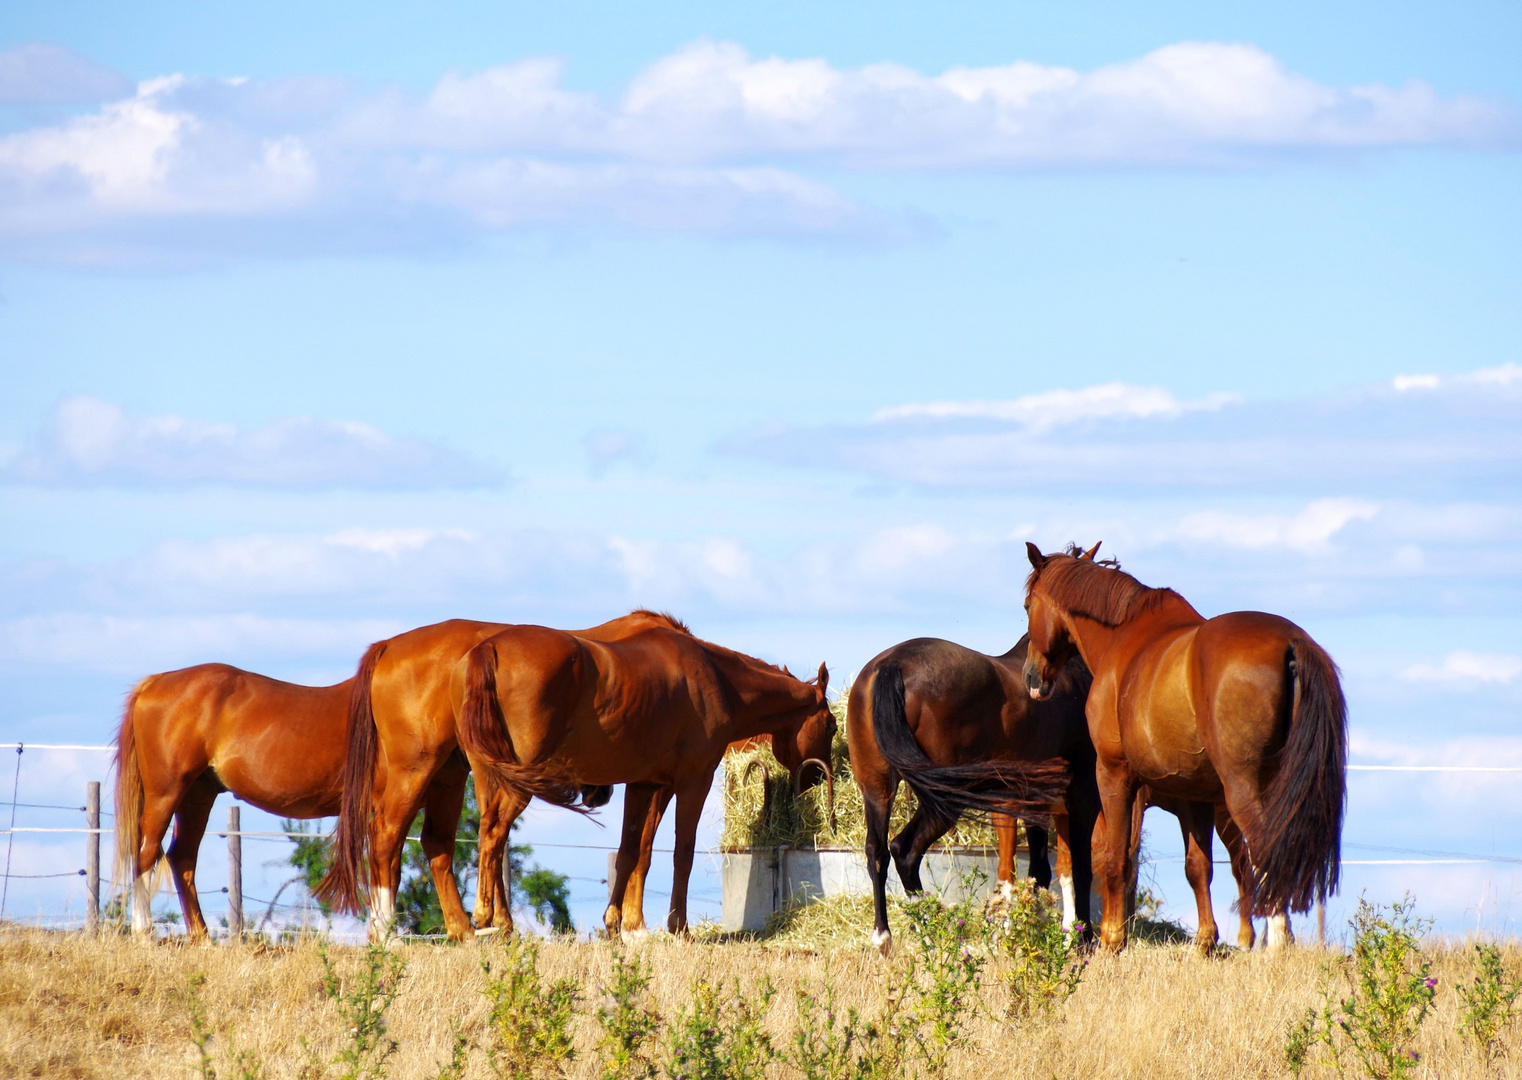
(808, 742)
(1051, 643)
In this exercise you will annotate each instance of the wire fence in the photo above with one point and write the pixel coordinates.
(1410, 856)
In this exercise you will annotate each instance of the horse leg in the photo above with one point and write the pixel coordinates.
(637, 800)
(689, 810)
(1064, 869)
(189, 827)
(909, 847)
(159, 805)
(442, 803)
(1279, 932)
(877, 804)
(1081, 823)
(500, 807)
(1037, 843)
(1241, 869)
(1197, 823)
(395, 810)
(1117, 793)
(634, 896)
(1005, 831)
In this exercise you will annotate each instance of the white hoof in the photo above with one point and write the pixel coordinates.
(488, 931)
(882, 941)
(1006, 890)
(631, 936)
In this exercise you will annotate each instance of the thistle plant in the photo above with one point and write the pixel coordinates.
(1045, 961)
(530, 1023)
(245, 1064)
(628, 1024)
(1374, 1000)
(362, 1000)
(1488, 1003)
(720, 1036)
(945, 982)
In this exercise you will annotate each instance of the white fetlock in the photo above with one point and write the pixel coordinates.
(142, 913)
(383, 915)
(1069, 901)
(1279, 934)
(1006, 890)
(488, 931)
(882, 941)
(630, 936)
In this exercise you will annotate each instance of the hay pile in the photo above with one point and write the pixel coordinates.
(805, 822)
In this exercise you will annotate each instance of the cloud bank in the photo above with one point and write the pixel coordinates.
(94, 443)
(708, 140)
(1421, 434)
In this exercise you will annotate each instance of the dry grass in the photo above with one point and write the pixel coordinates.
(71, 1006)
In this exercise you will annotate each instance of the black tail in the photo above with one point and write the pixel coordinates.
(1026, 789)
(1297, 855)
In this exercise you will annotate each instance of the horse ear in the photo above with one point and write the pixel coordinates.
(1089, 555)
(824, 678)
(1037, 559)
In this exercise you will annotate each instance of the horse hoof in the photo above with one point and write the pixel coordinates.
(488, 931)
(882, 941)
(631, 936)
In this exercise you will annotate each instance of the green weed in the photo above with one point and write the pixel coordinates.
(1487, 1004)
(720, 1037)
(628, 1024)
(530, 1023)
(362, 1001)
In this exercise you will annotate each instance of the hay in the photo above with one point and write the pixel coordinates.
(805, 822)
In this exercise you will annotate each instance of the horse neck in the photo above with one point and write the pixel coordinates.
(763, 698)
(1094, 638)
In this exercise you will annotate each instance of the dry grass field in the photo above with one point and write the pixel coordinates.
(72, 1006)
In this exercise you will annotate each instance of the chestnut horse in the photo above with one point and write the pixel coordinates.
(543, 712)
(1244, 710)
(401, 734)
(187, 736)
(959, 728)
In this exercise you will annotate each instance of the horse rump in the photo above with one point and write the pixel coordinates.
(483, 734)
(1025, 789)
(1298, 857)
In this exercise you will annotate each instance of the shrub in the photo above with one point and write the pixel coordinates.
(721, 1038)
(530, 1023)
(1374, 1000)
(945, 978)
(1488, 1003)
(1045, 961)
(628, 1025)
(246, 1064)
(362, 1001)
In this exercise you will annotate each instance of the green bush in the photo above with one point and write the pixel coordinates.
(530, 1023)
(1488, 1003)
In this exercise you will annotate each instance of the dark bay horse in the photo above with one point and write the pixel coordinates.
(1243, 710)
(401, 734)
(187, 736)
(545, 712)
(959, 728)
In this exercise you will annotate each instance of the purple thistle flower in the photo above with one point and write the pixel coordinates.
(1430, 983)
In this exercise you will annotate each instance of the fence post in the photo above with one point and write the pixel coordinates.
(92, 856)
(234, 875)
(1321, 922)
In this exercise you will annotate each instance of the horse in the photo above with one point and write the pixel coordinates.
(959, 728)
(544, 712)
(187, 736)
(1243, 710)
(401, 734)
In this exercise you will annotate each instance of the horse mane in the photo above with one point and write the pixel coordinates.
(1095, 590)
(665, 616)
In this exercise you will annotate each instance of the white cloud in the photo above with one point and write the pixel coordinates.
(94, 442)
(1055, 407)
(1462, 667)
(1308, 531)
(1502, 376)
(708, 139)
(42, 74)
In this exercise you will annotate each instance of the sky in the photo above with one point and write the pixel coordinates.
(317, 325)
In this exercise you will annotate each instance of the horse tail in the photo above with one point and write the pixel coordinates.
(1298, 856)
(483, 734)
(129, 793)
(343, 887)
(1026, 789)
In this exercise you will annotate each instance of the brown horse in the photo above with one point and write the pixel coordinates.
(959, 728)
(401, 734)
(544, 712)
(1243, 710)
(187, 736)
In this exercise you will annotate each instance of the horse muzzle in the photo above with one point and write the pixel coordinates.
(1040, 689)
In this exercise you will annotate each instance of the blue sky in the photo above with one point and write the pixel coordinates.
(317, 325)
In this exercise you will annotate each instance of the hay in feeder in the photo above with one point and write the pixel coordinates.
(761, 812)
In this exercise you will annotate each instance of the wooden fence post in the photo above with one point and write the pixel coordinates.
(234, 875)
(92, 856)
